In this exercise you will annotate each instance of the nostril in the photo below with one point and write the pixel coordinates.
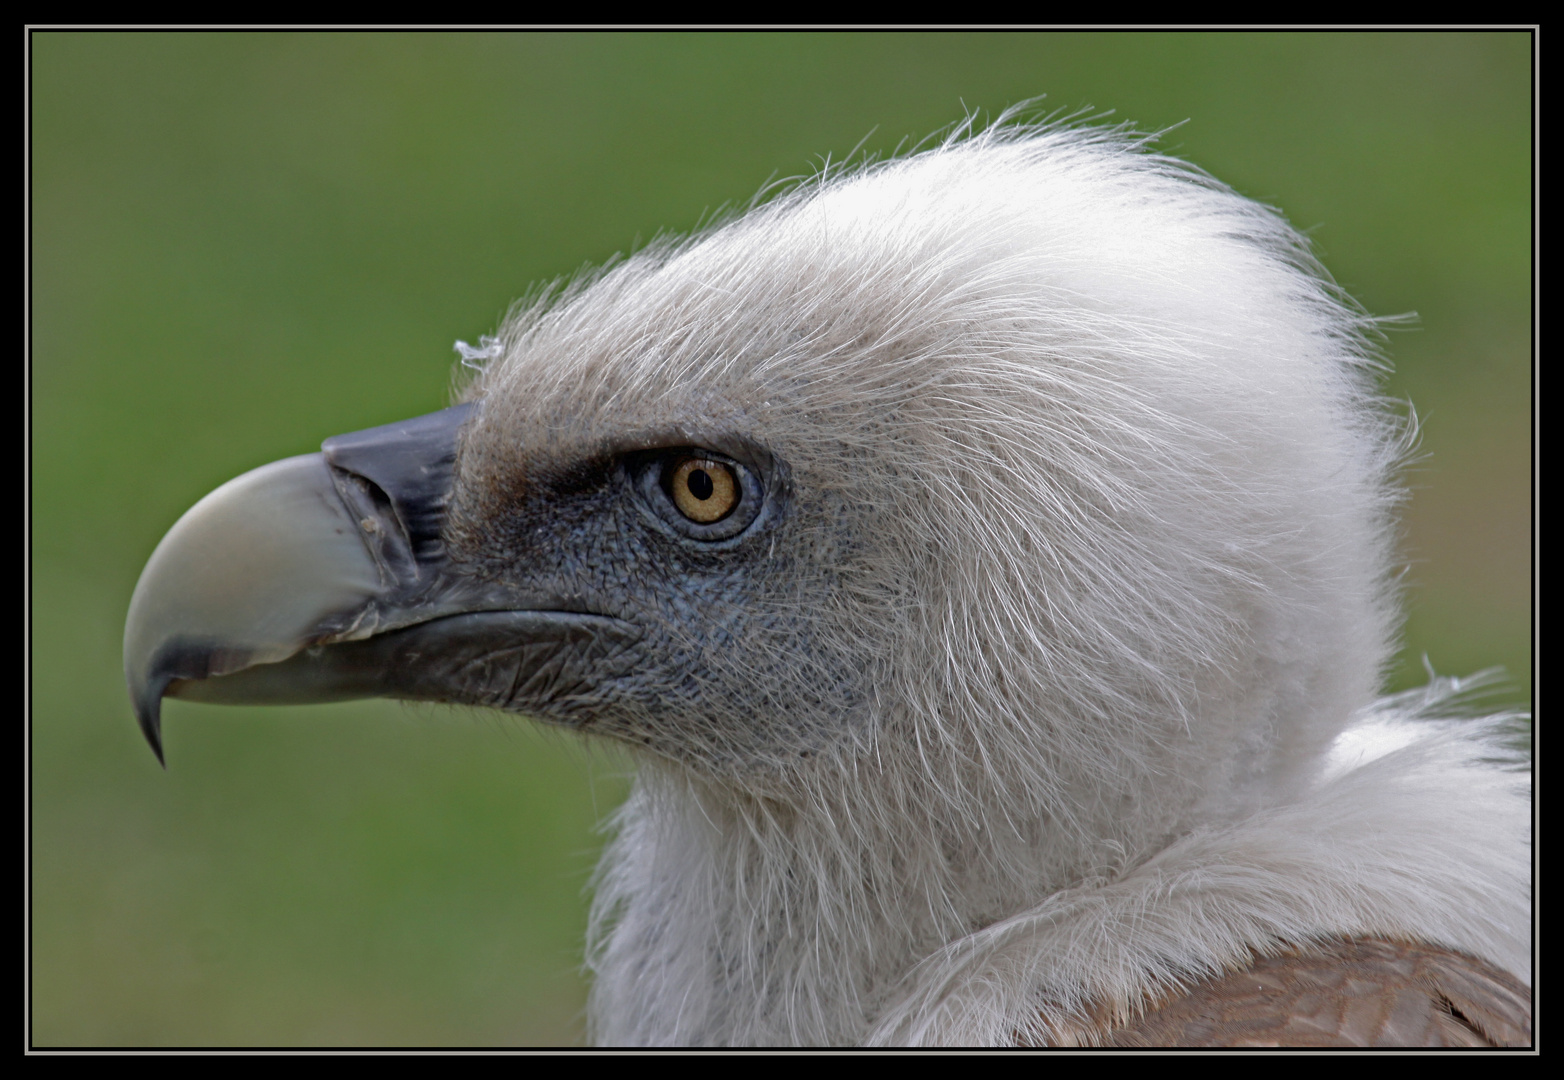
(383, 529)
(399, 476)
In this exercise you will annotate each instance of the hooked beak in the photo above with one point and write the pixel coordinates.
(325, 578)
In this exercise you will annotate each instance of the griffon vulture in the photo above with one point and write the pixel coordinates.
(986, 555)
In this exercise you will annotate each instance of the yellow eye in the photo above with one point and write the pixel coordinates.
(704, 490)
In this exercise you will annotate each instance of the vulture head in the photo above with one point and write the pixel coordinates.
(984, 553)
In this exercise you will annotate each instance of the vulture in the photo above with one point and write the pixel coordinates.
(986, 554)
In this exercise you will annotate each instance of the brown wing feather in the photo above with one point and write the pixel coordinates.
(1359, 992)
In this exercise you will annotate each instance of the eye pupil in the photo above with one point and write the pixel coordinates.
(700, 484)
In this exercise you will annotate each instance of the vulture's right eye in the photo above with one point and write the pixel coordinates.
(701, 494)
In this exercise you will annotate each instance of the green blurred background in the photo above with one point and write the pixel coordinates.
(243, 243)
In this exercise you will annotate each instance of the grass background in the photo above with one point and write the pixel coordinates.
(243, 243)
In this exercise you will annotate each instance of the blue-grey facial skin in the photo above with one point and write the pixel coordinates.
(715, 618)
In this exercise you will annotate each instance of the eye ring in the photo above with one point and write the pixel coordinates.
(673, 485)
(704, 490)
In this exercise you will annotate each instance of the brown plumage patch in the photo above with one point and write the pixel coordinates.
(1359, 992)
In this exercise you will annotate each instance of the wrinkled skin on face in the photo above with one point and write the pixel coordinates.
(718, 619)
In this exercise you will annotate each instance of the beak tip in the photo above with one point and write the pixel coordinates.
(149, 710)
